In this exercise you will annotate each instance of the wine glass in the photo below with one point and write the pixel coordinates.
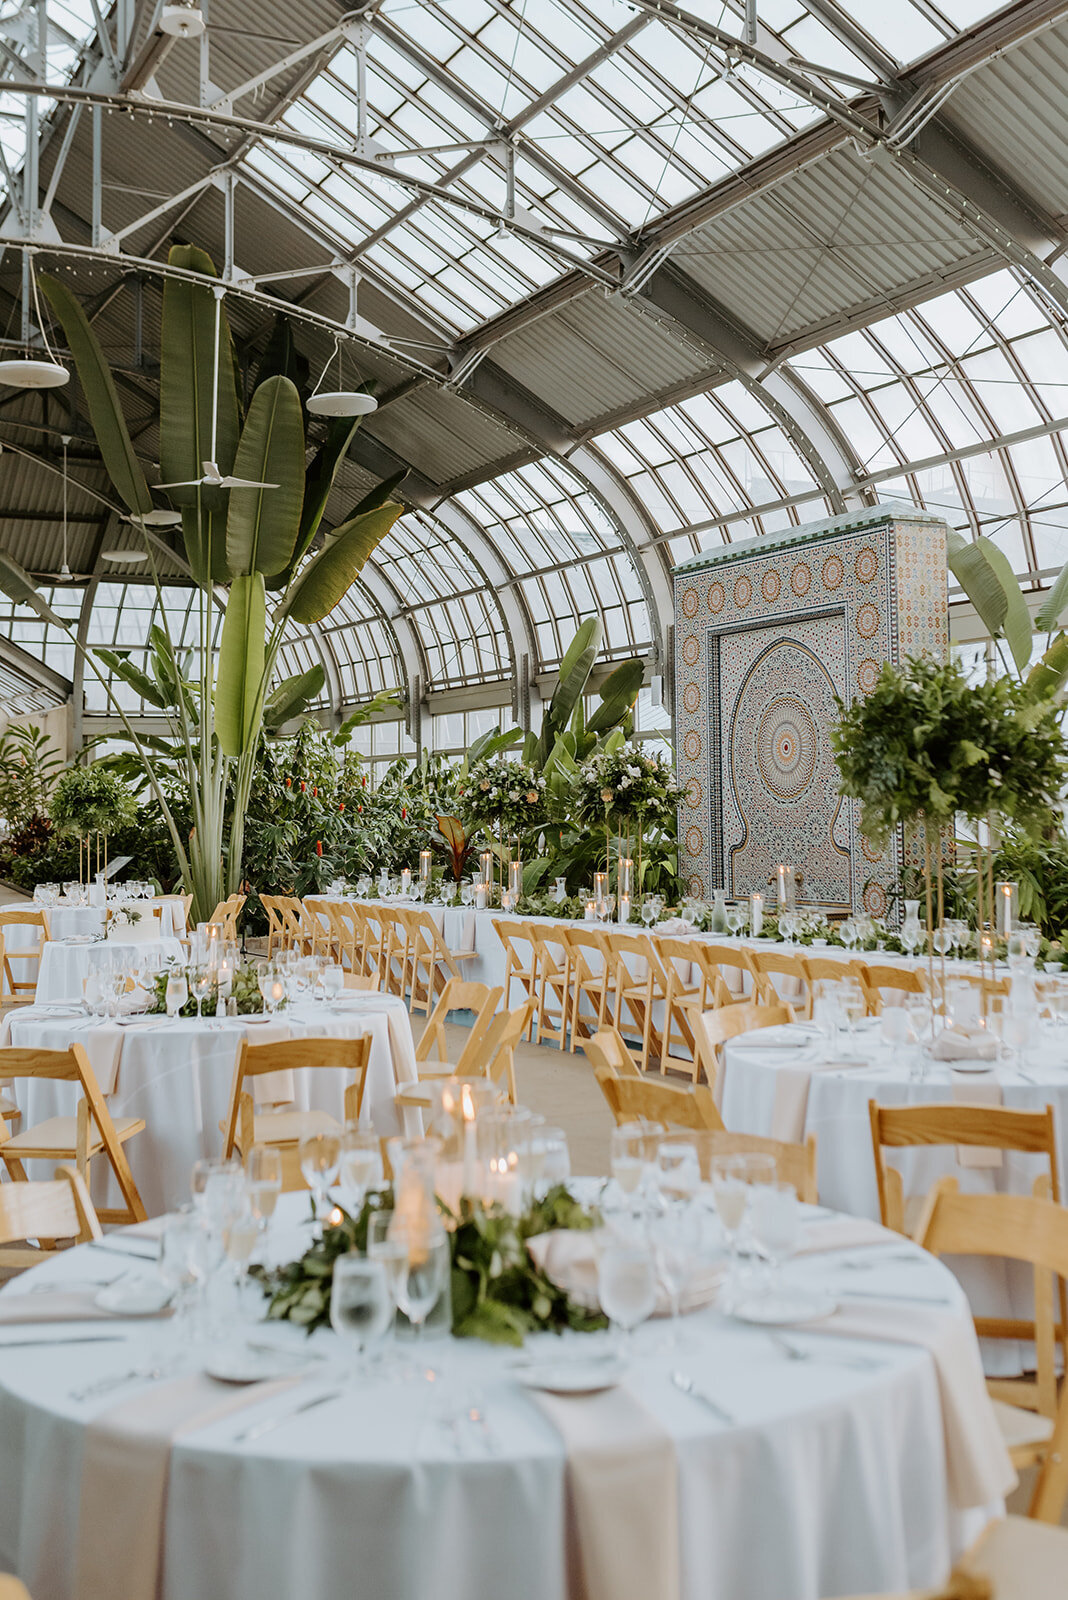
(263, 1181)
(678, 1171)
(730, 1196)
(320, 1156)
(648, 912)
(676, 1238)
(95, 994)
(240, 1231)
(630, 1142)
(361, 1306)
(788, 925)
(736, 919)
(776, 1222)
(183, 1266)
(359, 1167)
(689, 913)
(424, 1275)
(332, 979)
(467, 893)
(203, 980)
(853, 1004)
(177, 993)
(626, 1286)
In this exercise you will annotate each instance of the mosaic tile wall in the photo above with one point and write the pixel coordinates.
(767, 633)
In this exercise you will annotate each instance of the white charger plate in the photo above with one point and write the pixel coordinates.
(784, 1306)
(240, 1364)
(571, 1377)
(971, 1066)
(134, 1297)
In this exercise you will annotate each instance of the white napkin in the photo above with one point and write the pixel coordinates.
(568, 1259)
(960, 1043)
(783, 1035)
(673, 926)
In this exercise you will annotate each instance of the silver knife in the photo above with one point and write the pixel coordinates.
(120, 1250)
(44, 1344)
(269, 1424)
(892, 1294)
(683, 1381)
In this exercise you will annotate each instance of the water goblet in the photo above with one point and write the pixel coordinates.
(320, 1156)
(626, 1287)
(361, 1306)
(678, 1171)
(467, 894)
(263, 1181)
(629, 1157)
(422, 1280)
(177, 992)
(182, 1264)
(648, 912)
(203, 983)
(359, 1167)
(332, 979)
(730, 1196)
(737, 917)
(776, 1223)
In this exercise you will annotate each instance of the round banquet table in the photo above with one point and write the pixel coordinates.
(781, 1083)
(831, 1478)
(177, 1076)
(65, 964)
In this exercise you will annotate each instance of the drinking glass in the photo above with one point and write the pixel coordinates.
(424, 1274)
(853, 1003)
(678, 1171)
(467, 894)
(239, 1235)
(788, 925)
(177, 993)
(361, 1306)
(359, 1167)
(203, 980)
(630, 1150)
(648, 912)
(626, 1286)
(556, 1157)
(730, 1195)
(689, 913)
(95, 994)
(183, 1267)
(332, 978)
(849, 932)
(320, 1156)
(676, 1238)
(776, 1221)
(263, 1181)
(736, 919)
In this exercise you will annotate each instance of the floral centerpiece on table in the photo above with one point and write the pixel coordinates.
(626, 785)
(506, 795)
(244, 991)
(498, 1294)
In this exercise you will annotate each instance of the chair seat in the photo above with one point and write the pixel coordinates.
(58, 1136)
(8, 1108)
(1024, 1559)
(414, 1094)
(1020, 1429)
(289, 1127)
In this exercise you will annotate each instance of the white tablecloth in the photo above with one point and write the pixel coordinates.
(65, 967)
(177, 1076)
(832, 1481)
(753, 1096)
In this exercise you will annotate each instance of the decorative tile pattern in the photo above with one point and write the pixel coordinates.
(786, 630)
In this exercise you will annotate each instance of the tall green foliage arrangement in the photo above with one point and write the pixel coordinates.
(239, 543)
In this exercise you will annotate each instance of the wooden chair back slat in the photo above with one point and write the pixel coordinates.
(633, 1099)
(291, 1055)
(712, 1029)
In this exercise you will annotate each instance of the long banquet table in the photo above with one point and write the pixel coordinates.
(831, 1479)
(177, 1076)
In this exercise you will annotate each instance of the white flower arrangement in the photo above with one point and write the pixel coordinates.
(505, 794)
(626, 784)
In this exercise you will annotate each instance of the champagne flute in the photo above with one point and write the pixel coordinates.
(320, 1156)
(203, 979)
(263, 1181)
(425, 1272)
(359, 1167)
(361, 1306)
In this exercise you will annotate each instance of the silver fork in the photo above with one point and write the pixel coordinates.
(117, 1380)
(796, 1352)
(683, 1381)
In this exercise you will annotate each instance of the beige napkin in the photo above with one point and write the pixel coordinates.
(622, 1479)
(125, 1467)
(16, 1309)
(978, 1469)
(969, 1093)
(959, 1043)
(790, 1107)
(568, 1259)
(103, 1045)
(840, 1233)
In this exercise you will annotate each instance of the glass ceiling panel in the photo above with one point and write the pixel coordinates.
(71, 24)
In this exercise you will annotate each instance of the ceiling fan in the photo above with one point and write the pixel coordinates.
(212, 477)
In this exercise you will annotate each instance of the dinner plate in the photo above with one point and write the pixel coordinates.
(972, 1066)
(784, 1305)
(571, 1377)
(129, 1018)
(240, 1364)
(134, 1296)
(255, 1017)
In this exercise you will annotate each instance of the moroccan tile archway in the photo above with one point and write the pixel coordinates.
(767, 634)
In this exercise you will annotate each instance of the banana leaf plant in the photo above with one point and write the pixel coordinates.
(987, 578)
(238, 541)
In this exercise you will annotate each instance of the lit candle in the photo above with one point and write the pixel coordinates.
(625, 874)
(278, 993)
(406, 879)
(1005, 900)
(784, 886)
(623, 913)
(600, 886)
(485, 861)
(515, 878)
(481, 896)
(467, 1103)
(756, 914)
(424, 865)
(591, 911)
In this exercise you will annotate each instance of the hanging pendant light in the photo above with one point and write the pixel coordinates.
(181, 21)
(27, 372)
(340, 402)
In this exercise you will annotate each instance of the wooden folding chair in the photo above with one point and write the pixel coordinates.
(772, 964)
(902, 980)
(825, 969)
(712, 1029)
(397, 935)
(431, 963)
(319, 920)
(587, 950)
(89, 1133)
(606, 1050)
(639, 983)
(692, 985)
(794, 1163)
(458, 995)
(1022, 1559)
(43, 1213)
(551, 962)
(490, 1055)
(1023, 1228)
(244, 1126)
(723, 958)
(21, 991)
(368, 982)
(977, 1127)
(641, 1100)
(518, 968)
(347, 934)
(227, 913)
(276, 926)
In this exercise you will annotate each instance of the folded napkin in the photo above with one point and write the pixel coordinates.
(674, 927)
(16, 1309)
(125, 1468)
(840, 1233)
(978, 1469)
(784, 1035)
(622, 1483)
(969, 1093)
(960, 1043)
(569, 1259)
(102, 1043)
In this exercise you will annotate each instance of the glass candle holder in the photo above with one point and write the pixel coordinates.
(515, 878)
(1006, 903)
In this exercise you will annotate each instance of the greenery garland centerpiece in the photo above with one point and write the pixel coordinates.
(507, 796)
(90, 802)
(623, 787)
(927, 746)
(244, 991)
(498, 1294)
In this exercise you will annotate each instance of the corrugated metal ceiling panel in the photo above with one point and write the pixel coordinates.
(443, 436)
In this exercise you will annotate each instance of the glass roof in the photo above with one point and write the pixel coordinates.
(71, 25)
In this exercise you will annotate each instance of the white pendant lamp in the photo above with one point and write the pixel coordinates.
(27, 374)
(182, 21)
(132, 558)
(339, 402)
